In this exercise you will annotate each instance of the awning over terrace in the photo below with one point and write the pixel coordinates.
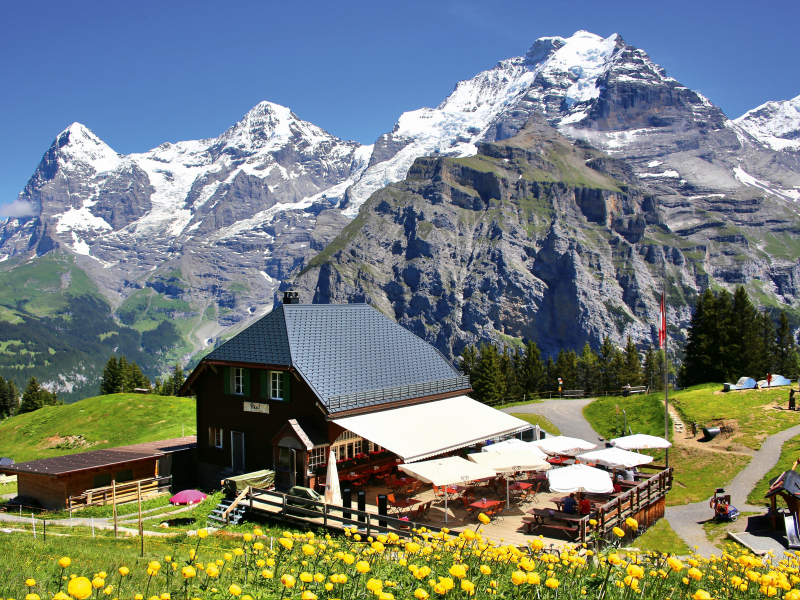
(423, 430)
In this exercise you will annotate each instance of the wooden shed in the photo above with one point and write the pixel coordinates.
(86, 478)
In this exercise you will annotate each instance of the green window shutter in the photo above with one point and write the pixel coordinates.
(246, 382)
(264, 384)
(287, 386)
(226, 380)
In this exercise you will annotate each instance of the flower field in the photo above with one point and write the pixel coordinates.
(431, 565)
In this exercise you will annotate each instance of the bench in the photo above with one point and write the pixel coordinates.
(573, 393)
(634, 389)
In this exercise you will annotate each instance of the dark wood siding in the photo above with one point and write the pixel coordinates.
(52, 492)
(216, 408)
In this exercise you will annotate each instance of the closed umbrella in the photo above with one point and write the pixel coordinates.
(562, 444)
(581, 479)
(188, 497)
(616, 458)
(641, 441)
(333, 492)
(447, 471)
(510, 462)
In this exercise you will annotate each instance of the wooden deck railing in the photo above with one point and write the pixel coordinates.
(645, 503)
(121, 492)
(333, 516)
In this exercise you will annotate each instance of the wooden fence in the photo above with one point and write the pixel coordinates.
(119, 493)
(310, 512)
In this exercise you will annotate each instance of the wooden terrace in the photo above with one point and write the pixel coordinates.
(527, 516)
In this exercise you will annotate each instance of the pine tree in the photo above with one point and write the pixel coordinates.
(550, 375)
(587, 370)
(616, 370)
(530, 370)
(5, 404)
(157, 389)
(786, 355)
(488, 379)
(697, 360)
(124, 370)
(507, 366)
(12, 396)
(35, 397)
(746, 333)
(469, 358)
(604, 363)
(631, 372)
(136, 379)
(177, 378)
(166, 387)
(110, 383)
(649, 371)
(767, 347)
(566, 369)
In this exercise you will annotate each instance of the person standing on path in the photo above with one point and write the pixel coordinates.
(792, 392)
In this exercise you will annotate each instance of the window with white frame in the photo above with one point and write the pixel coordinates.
(276, 385)
(215, 437)
(237, 381)
(318, 456)
(348, 445)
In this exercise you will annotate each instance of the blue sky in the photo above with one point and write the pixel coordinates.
(142, 73)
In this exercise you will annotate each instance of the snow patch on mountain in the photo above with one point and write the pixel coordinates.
(776, 124)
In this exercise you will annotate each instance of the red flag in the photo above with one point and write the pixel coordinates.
(662, 332)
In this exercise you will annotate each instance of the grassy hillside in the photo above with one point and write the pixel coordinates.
(95, 423)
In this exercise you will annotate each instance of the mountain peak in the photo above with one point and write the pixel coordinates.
(80, 143)
(776, 123)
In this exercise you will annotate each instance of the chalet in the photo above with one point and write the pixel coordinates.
(94, 477)
(310, 378)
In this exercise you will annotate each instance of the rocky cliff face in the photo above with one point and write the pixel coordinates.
(533, 238)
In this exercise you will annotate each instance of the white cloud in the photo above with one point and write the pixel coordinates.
(18, 208)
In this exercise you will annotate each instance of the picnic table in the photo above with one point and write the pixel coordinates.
(570, 526)
(559, 501)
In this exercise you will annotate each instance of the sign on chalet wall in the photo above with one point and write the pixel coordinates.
(256, 407)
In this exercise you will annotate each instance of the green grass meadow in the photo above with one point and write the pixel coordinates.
(94, 424)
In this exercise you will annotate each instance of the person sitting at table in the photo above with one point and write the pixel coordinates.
(585, 506)
(627, 475)
(570, 504)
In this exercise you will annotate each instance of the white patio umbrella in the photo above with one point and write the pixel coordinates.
(616, 457)
(562, 444)
(511, 461)
(333, 492)
(513, 445)
(447, 471)
(641, 441)
(580, 478)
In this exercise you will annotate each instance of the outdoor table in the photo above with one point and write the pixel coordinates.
(349, 476)
(571, 528)
(399, 505)
(520, 486)
(560, 500)
(484, 504)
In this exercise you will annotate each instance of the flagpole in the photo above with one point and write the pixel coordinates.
(666, 373)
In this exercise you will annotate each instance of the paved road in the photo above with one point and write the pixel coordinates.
(687, 520)
(567, 415)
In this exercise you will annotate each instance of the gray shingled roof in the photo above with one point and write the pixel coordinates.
(264, 342)
(350, 354)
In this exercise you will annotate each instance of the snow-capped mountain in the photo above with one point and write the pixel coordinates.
(777, 124)
(202, 232)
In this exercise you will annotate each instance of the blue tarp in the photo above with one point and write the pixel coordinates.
(745, 383)
(777, 381)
